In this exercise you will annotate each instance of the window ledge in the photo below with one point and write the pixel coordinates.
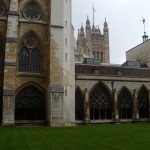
(29, 74)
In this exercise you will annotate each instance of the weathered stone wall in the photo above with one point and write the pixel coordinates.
(17, 27)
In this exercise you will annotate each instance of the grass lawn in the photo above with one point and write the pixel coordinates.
(90, 137)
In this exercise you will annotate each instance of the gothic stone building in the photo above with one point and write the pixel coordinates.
(91, 43)
(39, 83)
(112, 93)
(36, 68)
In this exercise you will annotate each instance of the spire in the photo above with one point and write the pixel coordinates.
(145, 37)
(88, 27)
(105, 29)
(82, 30)
(93, 14)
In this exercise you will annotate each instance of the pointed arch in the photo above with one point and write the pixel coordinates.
(125, 104)
(31, 83)
(143, 102)
(100, 102)
(79, 104)
(30, 104)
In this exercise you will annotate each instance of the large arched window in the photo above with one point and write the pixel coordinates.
(100, 103)
(30, 56)
(143, 103)
(30, 104)
(79, 106)
(125, 104)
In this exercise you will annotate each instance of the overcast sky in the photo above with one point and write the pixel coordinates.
(123, 18)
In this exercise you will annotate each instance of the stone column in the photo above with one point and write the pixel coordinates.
(116, 113)
(135, 106)
(10, 64)
(56, 105)
(86, 106)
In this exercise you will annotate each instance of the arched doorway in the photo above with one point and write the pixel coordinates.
(143, 103)
(100, 103)
(79, 105)
(30, 105)
(125, 104)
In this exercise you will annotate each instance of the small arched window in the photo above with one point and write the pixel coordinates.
(29, 56)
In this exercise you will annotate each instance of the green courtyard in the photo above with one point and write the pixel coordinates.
(89, 137)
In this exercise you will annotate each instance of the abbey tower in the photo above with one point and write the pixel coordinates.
(92, 43)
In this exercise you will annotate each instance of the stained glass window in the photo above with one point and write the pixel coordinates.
(24, 60)
(30, 41)
(31, 11)
(35, 60)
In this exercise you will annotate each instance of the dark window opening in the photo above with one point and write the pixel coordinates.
(125, 105)
(100, 104)
(79, 106)
(30, 105)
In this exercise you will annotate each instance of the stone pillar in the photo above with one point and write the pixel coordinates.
(116, 112)
(86, 106)
(10, 64)
(8, 108)
(135, 106)
(56, 105)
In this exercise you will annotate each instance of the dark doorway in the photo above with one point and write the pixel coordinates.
(79, 105)
(30, 105)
